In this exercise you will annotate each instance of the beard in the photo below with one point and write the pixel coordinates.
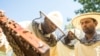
(88, 30)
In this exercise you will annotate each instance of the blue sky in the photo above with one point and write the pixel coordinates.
(20, 10)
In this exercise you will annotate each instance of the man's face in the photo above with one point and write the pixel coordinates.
(88, 25)
(50, 26)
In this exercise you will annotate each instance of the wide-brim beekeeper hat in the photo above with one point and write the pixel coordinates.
(95, 15)
(55, 17)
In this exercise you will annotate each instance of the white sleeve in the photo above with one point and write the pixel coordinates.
(2, 41)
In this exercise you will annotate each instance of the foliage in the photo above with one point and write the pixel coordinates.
(69, 26)
(88, 6)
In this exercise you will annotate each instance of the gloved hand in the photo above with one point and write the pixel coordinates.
(70, 40)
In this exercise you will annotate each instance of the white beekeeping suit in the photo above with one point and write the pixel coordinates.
(63, 49)
(7, 50)
(3, 41)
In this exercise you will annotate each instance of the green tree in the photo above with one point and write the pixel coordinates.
(69, 26)
(88, 6)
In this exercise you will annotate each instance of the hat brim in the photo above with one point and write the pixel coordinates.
(76, 20)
